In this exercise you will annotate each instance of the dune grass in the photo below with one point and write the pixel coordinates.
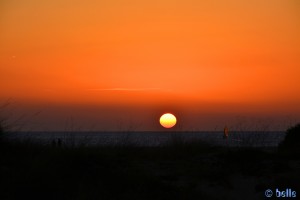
(177, 170)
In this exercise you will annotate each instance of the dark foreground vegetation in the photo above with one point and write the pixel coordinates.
(176, 171)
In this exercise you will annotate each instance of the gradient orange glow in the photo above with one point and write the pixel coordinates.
(217, 56)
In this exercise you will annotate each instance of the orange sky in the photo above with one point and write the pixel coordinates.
(222, 56)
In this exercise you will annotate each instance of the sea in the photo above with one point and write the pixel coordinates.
(151, 138)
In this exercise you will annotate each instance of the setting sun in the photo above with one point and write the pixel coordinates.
(167, 120)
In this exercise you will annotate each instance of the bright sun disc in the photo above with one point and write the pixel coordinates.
(167, 120)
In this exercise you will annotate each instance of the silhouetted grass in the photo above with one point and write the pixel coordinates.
(177, 170)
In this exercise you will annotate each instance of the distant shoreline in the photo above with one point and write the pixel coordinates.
(151, 138)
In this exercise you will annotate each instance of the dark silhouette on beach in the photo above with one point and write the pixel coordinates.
(226, 132)
(56, 143)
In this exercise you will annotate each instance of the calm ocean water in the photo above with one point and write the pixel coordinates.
(254, 139)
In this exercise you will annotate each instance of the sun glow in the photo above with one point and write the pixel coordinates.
(167, 120)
